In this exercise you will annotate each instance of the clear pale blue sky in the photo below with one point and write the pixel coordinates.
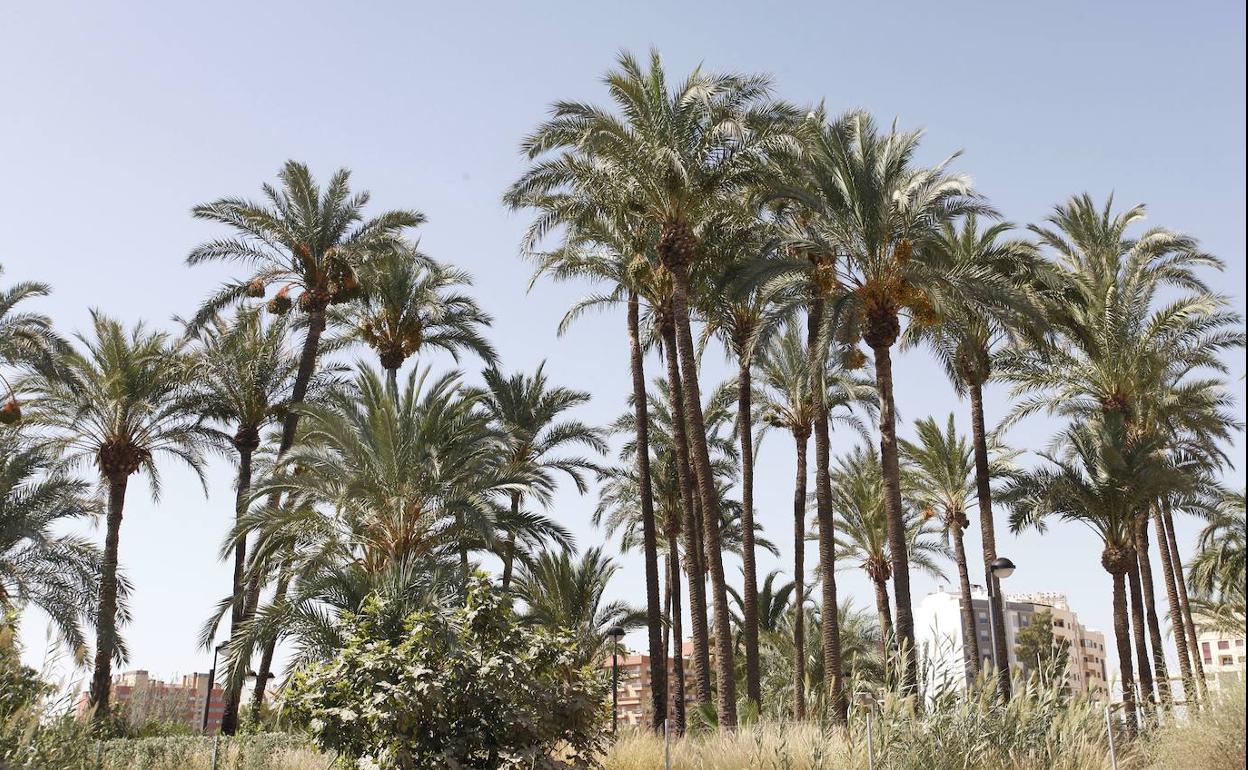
(116, 118)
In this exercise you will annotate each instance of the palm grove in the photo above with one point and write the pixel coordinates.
(811, 249)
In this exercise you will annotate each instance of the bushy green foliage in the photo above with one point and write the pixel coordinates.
(468, 688)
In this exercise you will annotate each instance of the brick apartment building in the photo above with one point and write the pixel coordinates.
(634, 685)
(145, 699)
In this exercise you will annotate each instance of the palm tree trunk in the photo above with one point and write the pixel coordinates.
(676, 707)
(970, 641)
(106, 623)
(234, 685)
(1190, 691)
(1123, 641)
(392, 383)
(1150, 612)
(834, 685)
(753, 688)
(799, 579)
(987, 533)
(725, 680)
(1185, 616)
(896, 525)
(1147, 696)
(886, 615)
(298, 392)
(694, 552)
(654, 616)
(509, 549)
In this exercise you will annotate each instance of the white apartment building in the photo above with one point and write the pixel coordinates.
(1223, 657)
(938, 634)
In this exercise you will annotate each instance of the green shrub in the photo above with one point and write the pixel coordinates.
(468, 688)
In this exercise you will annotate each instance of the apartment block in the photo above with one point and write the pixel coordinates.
(1223, 657)
(145, 699)
(635, 687)
(938, 634)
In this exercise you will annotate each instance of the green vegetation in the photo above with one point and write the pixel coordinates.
(810, 249)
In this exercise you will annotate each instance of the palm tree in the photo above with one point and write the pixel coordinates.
(865, 217)
(302, 237)
(1217, 573)
(39, 565)
(26, 339)
(410, 303)
(378, 490)
(601, 241)
(568, 594)
(1102, 478)
(862, 529)
(674, 156)
(964, 342)
(943, 484)
(246, 370)
(787, 402)
(528, 413)
(1119, 351)
(122, 401)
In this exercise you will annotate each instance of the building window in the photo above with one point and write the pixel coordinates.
(1226, 660)
(1224, 645)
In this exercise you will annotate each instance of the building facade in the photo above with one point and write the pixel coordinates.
(144, 700)
(634, 685)
(1223, 657)
(939, 637)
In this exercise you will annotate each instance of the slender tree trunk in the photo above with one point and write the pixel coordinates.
(799, 579)
(694, 552)
(987, 533)
(745, 421)
(1122, 639)
(896, 524)
(1147, 696)
(676, 709)
(886, 615)
(392, 383)
(654, 618)
(725, 680)
(229, 715)
(1189, 624)
(1150, 612)
(970, 641)
(509, 549)
(106, 624)
(1190, 688)
(834, 685)
(665, 567)
(298, 392)
(270, 648)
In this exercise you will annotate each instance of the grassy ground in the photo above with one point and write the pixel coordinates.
(957, 735)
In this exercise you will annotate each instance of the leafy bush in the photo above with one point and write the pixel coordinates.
(466, 688)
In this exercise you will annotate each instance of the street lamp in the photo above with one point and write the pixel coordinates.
(1000, 569)
(615, 633)
(867, 701)
(212, 677)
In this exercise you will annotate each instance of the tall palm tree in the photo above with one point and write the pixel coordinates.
(528, 414)
(964, 342)
(1120, 350)
(862, 530)
(410, 303)
(1101, 478)
(674, 155)
(787, 402)
(40, 565)
(603, 241)
(562, 592)
(26, 339)
(121, 400)
(867, 214)
(944, 485)
(305, 237)
(741, 315)
(246, 370)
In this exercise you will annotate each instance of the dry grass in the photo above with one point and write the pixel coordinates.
(1213, 740)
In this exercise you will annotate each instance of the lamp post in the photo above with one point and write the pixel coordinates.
(867, 701)
(1000, 569)
(212, 677)
(615, 634)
